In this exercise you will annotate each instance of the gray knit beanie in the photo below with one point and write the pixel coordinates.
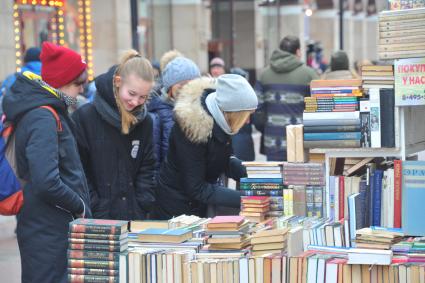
(234, 93)
(178, 70)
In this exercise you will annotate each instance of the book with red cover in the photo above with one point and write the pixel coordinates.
(255, 199)
(397, 193)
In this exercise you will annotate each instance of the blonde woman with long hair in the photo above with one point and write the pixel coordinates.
(208, 114)
(114, 136)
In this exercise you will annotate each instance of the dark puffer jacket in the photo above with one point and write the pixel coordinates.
(198, 154)
(119, 168)
(162, 110)
(56, 187)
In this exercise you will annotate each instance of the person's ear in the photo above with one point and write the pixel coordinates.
(298, 53)
(117, 81)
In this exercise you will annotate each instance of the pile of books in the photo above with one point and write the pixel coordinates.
(372, 238)
(255, 209)
(410, 250)
(269, 241)
(97, 250)
(295, 143)
(331, 118)
(377, 76)
(227, 233)
(264, 179)
(402, 34)
(218, 270)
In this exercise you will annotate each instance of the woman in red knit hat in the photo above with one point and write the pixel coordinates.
(114, 135)
(56, 189)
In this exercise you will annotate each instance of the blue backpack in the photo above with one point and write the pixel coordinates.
(11, 195)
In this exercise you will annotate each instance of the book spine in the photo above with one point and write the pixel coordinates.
(331, 115)
(324, 129)
(365, 129)
(77, 263)
(370, 197)
(94, 229)
(92, 271)
(261, 192)
(362, 205)
(94, 236)
(82, 254)
(94, 242)
(397, 193)
(330, 199)
(387, 100)
(330, 122)
(261, 180)
(332, 136)
(341, 195)
(75, 278)
(332, 144)
(318, 202)
(262, 187)
(377, 197)
(94, 247)
(375, 118)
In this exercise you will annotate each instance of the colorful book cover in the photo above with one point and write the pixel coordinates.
(413, 195)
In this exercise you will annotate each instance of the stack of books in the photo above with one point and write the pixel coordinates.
(269, 241)
(402, 34)
(227, 233)
(410, 250)
(265, 179)
(331, 117)
(97, 250)
(372, 238)
(255, 209)
(377, 76)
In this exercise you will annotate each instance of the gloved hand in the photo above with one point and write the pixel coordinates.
(235, 169)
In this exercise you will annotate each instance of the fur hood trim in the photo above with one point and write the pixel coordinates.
(196, 123)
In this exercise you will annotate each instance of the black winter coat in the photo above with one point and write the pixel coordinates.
(56, 187)
(119, 168)
(199, 152)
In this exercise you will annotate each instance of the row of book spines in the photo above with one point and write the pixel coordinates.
(97, 247)
(96, 229)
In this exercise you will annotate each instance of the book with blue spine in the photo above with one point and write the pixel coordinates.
(413, 196)
(332, 136)
(377, 197)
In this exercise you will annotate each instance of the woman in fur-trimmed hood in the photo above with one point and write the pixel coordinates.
(207, 115)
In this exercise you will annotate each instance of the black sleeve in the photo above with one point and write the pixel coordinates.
(259, 118)
(145, 180)
(42, 154)
(192, 160)
(84, 151)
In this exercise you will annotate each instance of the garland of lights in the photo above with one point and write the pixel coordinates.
(58, 26)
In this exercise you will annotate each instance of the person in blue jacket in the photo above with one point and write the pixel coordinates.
(56, 190)
(176, 74)
(31, 63)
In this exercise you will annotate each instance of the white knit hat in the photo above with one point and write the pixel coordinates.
(234, 93)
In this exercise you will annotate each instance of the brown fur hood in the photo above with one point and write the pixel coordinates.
(196, 123)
